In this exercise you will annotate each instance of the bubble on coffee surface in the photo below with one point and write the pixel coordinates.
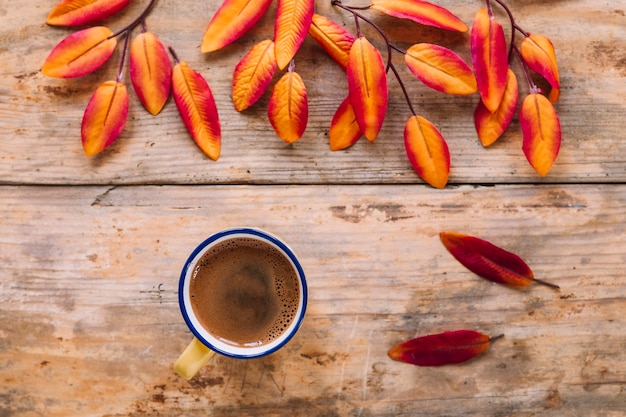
(283, 279)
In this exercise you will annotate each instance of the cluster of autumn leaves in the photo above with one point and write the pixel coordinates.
(363, 111)
(488, 261)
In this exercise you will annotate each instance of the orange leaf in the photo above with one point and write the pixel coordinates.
(421, 12)
(489, 261)
(231, 21)
(253, 74)
(293, 19)
(490, 126)
(367, 86)
(427, 151)
(440, 69)
(150, 71)
(538, 53)
(80, 53)
(489, 56)
(332, 37)
(197, 108)
(541, 132)
(344, 128)
(104, 117)
(288, 109)
(83, 12)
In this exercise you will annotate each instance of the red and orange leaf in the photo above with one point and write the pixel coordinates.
(150, 71)
(538, 53)
(367, 86)
(442, 349)
(541, 132)
(489, 261)
(197, 108)
(490, 126)
(332, 37)
(293, 19)
(288, 109)
(231, 21)
(83, 12)
(427, 151)
(421, 12)
(253, 74)
(80, 53)
(104, 117)
(440, 68)
(489, 57)
(344, 128)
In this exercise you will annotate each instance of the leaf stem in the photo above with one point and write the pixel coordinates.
(548, 284)
(531, 84)
(496, 337)
(135, 22)
(120, 71)
(176, 60)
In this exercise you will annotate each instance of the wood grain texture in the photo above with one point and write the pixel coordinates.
(40, 117)
(91, 324)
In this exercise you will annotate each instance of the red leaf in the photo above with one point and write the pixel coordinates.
(427, 151)
(231, 21)
(83, 12)
(489, 261)
(253, 74)
(332, 37)
(442, 348)
(344, 128)
(421, 12)
(104, 117)
(489, 57)
(293, 19)
(197, 108)
(288, 109)
(490, 126)
(541, 132)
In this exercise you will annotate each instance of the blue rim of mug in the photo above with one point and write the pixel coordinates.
(243, 231)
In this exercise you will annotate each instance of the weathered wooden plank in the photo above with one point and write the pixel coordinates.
(90, 322)
(40, 117)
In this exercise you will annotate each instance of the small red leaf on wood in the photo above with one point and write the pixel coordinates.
(421, 12)
(150, 71)
(197, 108)
(288, 109)
(427, 151)
(442, 348)
(489, 261)
(489, 57)
(538, 53)
(344, 128)
(541, 132)
(490, 126)
(293, 19)
(104, 117)
(83, 12)
(367, 86)
(80, 53)
(332, 37)
(253, 74)
(231, 21)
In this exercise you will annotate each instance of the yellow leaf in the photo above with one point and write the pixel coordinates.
(288, 109)
(427, 151)
(293, 18)
(104, 117)
(541, 132)
(253, 74)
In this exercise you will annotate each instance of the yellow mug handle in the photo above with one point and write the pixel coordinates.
(193, 358)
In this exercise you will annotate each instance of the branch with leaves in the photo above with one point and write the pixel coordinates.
(360, 114)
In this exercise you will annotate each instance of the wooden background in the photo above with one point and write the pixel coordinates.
(91, 249)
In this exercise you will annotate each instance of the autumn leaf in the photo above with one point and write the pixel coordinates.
(427, 151)
(490, 126)
(541, 132)
(538, 53)
(440, 69)
(197, 108)
(83, 12)
(489, 261)
(489, 57)
(288, 109)
(150, 71)
(421, 12)
(253, 74)
(293, 19)
(332, 37)
(367, 86)
(443, 348)
(80, 53)
(231, 21)
(104, 117)
(344, 128)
